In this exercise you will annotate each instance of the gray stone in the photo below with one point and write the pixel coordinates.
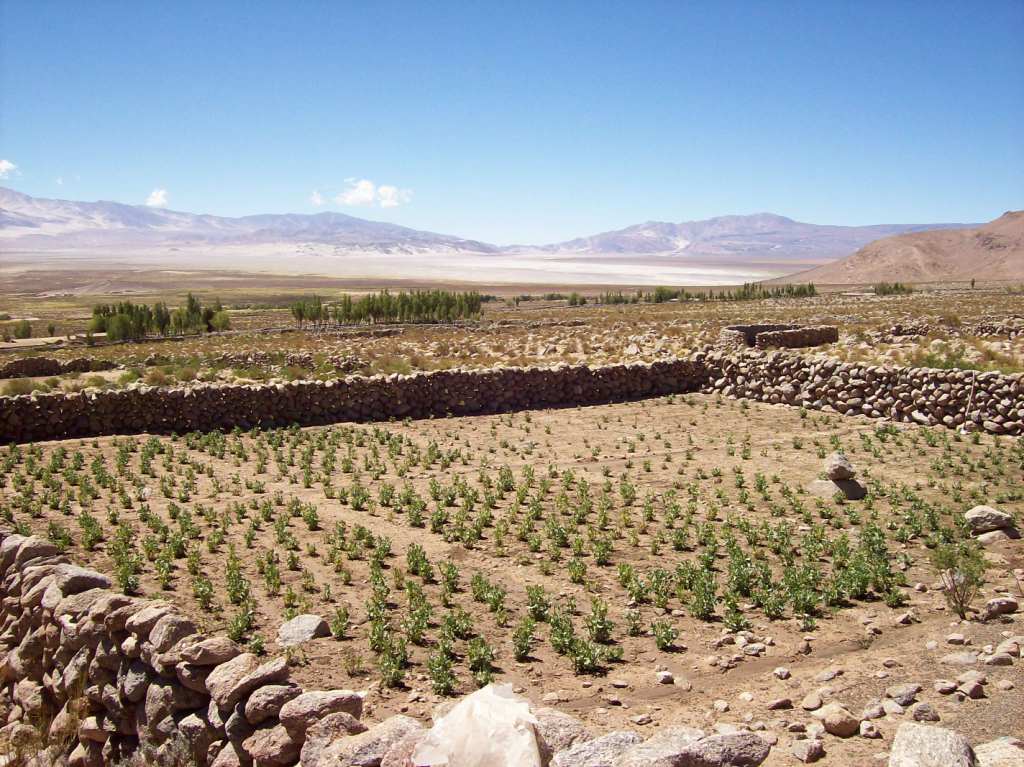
(302, 628)
(924, 745)
(808, 750)
(663, 749)
(233, 681)
(1001, 752)
(329, 729)
(1000, 606)
(211, 651)
(904, 694)
(924, 712)
(851, 489)
(599, 752)
(983, 519)
(170, 630)
(739, 749)
(272, 746)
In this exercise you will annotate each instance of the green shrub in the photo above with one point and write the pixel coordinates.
(961, 567)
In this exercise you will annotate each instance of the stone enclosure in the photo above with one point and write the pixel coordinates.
(778, 336)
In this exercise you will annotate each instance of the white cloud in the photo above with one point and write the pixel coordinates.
(7, 168)
(362, 191)
(392, 196)
(157, 198)
(316, 198)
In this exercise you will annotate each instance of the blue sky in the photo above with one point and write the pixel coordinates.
(520, 122)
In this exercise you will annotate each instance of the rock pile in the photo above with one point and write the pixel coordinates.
(841, 474)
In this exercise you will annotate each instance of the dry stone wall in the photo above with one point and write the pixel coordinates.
(141, 409)
(31, 367)
(991, 402)
(112, 675)
(796, 338)
(782, 336)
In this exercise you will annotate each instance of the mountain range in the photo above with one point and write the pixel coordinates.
(992, 251)
(30, 224)
(717, 250)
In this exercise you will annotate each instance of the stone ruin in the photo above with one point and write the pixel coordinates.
(777, 336)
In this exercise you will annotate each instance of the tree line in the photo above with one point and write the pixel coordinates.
(126, 320)
(749, 291)
(419, 306)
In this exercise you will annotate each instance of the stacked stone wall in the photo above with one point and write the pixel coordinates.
(992, 402)
(33, 367)
(109, 675)
(141, 409)
(797, 338)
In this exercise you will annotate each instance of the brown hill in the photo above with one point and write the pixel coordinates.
(993, 251)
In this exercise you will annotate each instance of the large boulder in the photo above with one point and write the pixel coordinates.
(266, 702)
(170, 630)
(924, 745)
(984, 519)
(211, 651)
(738, 749)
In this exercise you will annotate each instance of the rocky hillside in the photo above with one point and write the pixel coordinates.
(993, 251)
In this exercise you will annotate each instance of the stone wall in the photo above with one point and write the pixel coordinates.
(992, 402)
(954, 398)
(797, 338)
(111, 675)
(32, 367)
(740, 336)
(141, 409)
(785, 336)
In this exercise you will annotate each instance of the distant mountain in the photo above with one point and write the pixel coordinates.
(758, 237)
(762, 243)
(34, 224)
(993, 251)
